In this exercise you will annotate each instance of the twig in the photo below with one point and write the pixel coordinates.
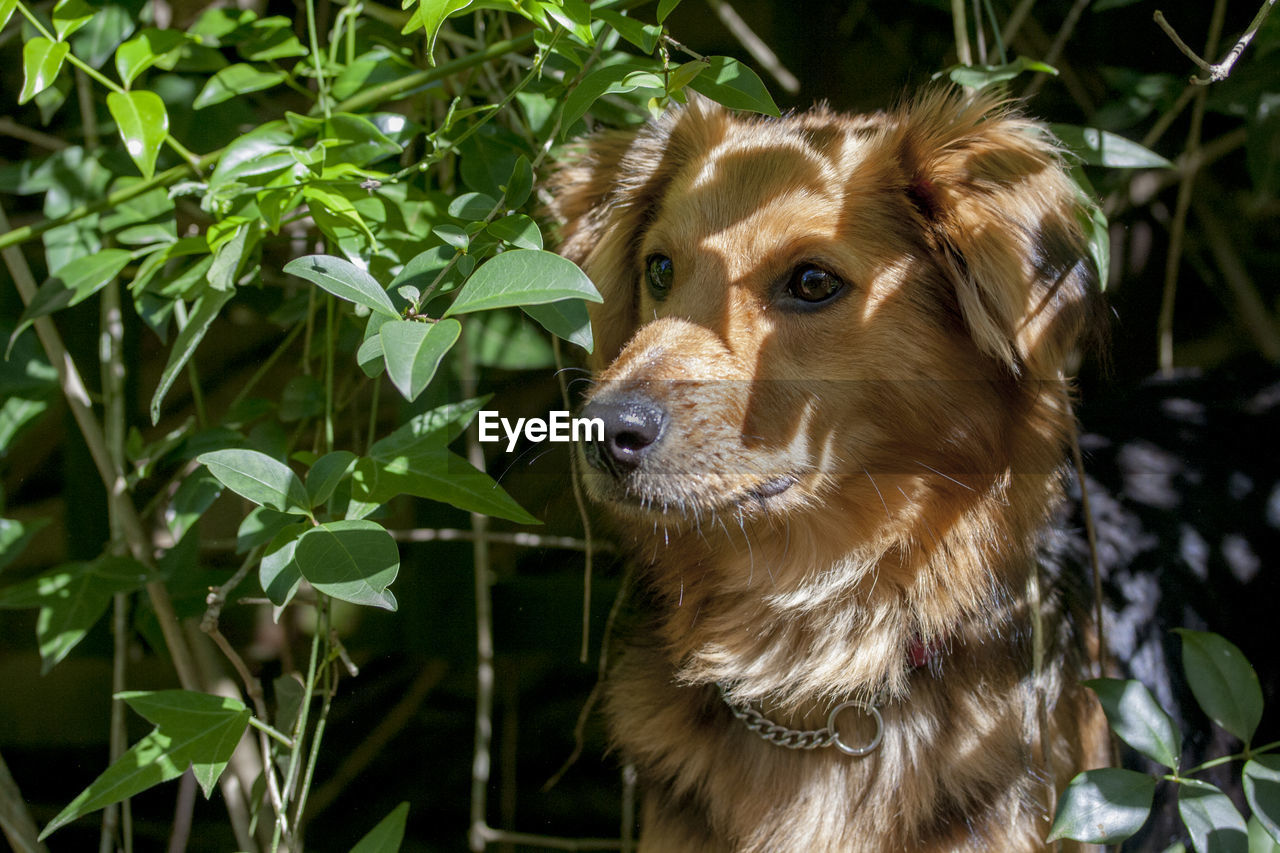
(388, 727)
(1221, 71)
(480, 759)
(9, 127)
(113, 478)
(15, 820)
(760, 52)
(182, 813)
(488, 834)
(588, 551)
(1014, 22)
(1059, 42)
(217, 597)
(1252, 309)
(960, 26)
(1177, 230)
(525, 540)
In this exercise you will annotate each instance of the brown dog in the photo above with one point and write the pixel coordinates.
(830, 362)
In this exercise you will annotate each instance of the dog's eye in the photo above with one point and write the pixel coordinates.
(813, 284)
(660, 273)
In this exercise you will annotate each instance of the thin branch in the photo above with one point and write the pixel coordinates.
(488, 834)
(217, 597)
(1059, 42)
(1016, 18)
(1177, 230)
(1255, 316)
(15, 820)
(960, 26)
(588, 551)
(113, 478)
(1215, 73)
(391, 724)
(9, 127)
(760, 52)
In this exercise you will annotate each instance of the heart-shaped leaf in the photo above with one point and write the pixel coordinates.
(351, 560)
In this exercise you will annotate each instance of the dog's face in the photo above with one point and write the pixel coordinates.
(819, 310)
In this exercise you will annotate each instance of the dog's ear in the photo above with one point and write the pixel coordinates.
(604, 193)
(1004, 219)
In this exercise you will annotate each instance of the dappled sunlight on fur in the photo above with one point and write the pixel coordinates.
(835, 485)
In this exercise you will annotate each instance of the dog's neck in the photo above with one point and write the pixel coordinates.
(782, 615)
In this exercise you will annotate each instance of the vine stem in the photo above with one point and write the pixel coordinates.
(1178, 228)
(77, 396)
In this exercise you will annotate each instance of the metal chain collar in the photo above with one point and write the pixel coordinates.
(829, 735)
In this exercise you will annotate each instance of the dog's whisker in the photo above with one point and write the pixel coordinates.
(940, 474)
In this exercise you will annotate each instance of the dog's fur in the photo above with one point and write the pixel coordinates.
(846, 500)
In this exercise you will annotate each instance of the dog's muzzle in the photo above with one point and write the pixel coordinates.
(633, 426)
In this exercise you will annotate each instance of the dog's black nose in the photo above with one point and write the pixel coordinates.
(632, 426)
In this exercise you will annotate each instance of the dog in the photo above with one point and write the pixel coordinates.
(831, 364)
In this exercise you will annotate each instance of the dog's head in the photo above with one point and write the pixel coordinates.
(794, 306)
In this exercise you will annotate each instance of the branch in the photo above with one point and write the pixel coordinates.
(15, 820)
(759, 51)
(1222, 70)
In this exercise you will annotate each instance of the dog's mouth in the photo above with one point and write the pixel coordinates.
(772, 488)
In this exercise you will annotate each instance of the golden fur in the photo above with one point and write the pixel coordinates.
(919, 419)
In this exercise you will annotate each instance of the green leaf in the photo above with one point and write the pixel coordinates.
(1222, 681)
(260, 526)
(1262, 790)
(387, 836)
(523, 277)
(205, 312)
(566, 319)
(41, 62)
(1102, 148)
(278, 572)
(144, 50)
(193, 730)
(325, 474)
(727, 81)
(344, 280)
(1259, 840)
(982, 76)
(1211, 820)
(453, 235)
(6, 9)
(69, 16)
(351, 560)
(428, 431)
(14, 536)
(437, 475)
(518, 230)
(257, 477)
(238, 79)
(111, 24)
(520, 185)
(196, 494)
(431, 15)
(472, 206)
(72, 598)
(642, 35)
(229, 256)
(612, 79)
(1138, 719)
(143, 123)
(666, 7)
(413, 351)
(1103, 806)
(86, 276)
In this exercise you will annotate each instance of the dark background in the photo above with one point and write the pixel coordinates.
(403, 730)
